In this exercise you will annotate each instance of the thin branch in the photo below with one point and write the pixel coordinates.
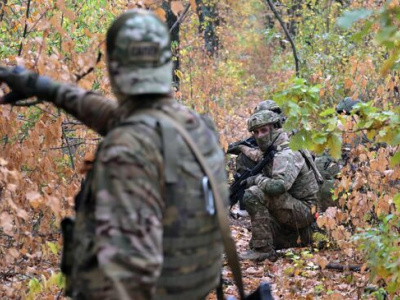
(26, 26)
(91, 69)
(69, 149)
(72, 123)
(296, 59)
(34, 25)
(69, 145)
(27, 103)
(40, 49)
(180, 17)
(340, 267)
(44, 110)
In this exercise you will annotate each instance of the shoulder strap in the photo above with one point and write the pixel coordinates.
(222, 211)
(311, 164)
(168, 133)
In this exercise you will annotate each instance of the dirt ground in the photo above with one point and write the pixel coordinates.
(299, 273)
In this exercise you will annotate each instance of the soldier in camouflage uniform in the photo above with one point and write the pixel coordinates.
(142, 230)
(280, 201)
(247, 157)
(330, 167)
(346, 105)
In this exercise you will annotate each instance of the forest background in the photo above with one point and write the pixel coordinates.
(229, 55)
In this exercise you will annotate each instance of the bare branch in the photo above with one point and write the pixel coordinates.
(180, 19)
(276, 13)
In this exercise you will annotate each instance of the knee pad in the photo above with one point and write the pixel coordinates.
(253, 198)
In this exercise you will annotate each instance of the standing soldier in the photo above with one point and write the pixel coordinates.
(281, 200)
(145, 226)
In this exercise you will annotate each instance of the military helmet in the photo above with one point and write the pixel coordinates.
(268, 105)
(346, 105)
(139, 57)
(262, 118)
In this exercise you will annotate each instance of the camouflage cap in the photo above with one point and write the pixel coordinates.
(268, 105)
(262, 118)
(139, 54)
(346, 105)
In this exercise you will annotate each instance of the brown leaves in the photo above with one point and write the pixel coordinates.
(69, 14)
(177, 7)
(321, 261)
(7, 223)
(193, 4)
(34, 198)
(161, 13)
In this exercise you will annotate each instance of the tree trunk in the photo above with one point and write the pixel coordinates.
(209, 21)
(171, 20)
(294, 13)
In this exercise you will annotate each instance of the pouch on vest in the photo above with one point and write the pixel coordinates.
(67, 258)
(263, 292)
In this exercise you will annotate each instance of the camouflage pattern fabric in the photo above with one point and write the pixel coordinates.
(131, 239)
(282, 199)
(329, 169)
(139, 54)
(346, 105)
(268, 105)
(248, 158)
(142, 228)
(261, 118)
(93, 109)
(243, 163)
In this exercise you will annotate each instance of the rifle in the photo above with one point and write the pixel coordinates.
(237, 188)
(234, 147)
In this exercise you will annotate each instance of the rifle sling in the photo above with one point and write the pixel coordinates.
(311, 165)
(222, 212)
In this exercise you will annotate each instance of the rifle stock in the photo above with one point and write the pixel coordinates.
(237, 188)
(249, 142)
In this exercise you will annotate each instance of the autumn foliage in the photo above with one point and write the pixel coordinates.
(43, 149)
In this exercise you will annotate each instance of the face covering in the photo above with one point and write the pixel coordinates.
(267, 140)
(264, 142)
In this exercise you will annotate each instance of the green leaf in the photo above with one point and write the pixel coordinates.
(34, 286)
(327, 112)
(395, 159)
(396, 201)
(301, 140)
(350, 17)
(358, 36)
(53, 247)
(319, 138)
(335, 145)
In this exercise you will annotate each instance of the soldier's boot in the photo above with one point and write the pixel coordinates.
(260, 254)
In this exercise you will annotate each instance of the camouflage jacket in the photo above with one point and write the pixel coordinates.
(288, 172)
(136, 235)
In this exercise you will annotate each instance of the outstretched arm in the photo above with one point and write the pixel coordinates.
(92, 109)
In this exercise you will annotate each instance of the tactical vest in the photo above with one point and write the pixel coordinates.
(192, 247)
(305, 187)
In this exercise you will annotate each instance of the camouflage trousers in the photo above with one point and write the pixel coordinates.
(324, 195)
(278, 222)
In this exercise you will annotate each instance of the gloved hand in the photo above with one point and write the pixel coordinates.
(251, 180)
(25, 84)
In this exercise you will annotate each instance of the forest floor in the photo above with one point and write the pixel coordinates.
(299, 273)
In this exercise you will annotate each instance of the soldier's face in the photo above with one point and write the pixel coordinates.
(262, 131)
